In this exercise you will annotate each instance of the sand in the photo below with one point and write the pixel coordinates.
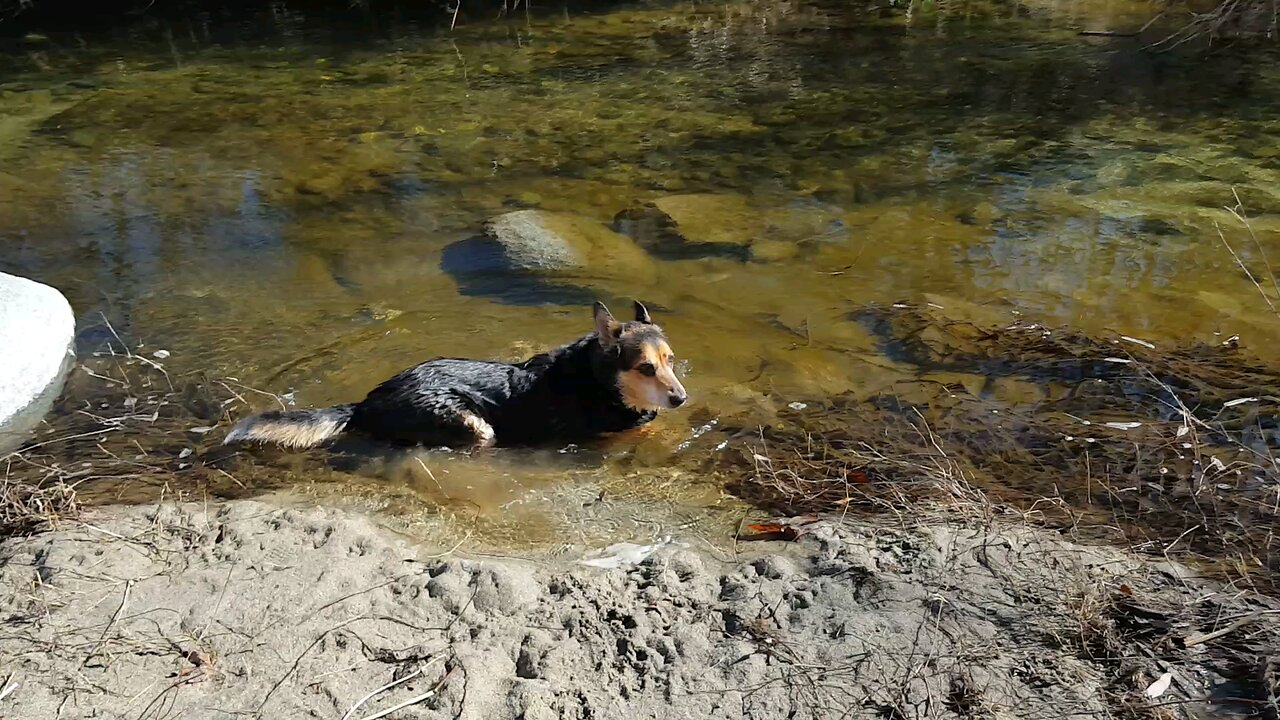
(252, 609)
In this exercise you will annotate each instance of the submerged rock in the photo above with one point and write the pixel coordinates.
(36, 330)
(689, 226)
(713, 218)
(727, 225)
(774, 251)
(540, 241)
(545, 247)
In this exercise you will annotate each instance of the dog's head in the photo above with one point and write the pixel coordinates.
(642, 359)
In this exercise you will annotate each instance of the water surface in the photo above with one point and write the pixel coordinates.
(268, 198)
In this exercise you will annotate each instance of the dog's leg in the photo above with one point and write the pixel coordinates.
(483, 431)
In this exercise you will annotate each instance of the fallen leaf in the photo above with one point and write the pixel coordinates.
(1160, 686)
(856, 476)
(770, 531)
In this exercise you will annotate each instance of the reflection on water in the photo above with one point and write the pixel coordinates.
(271, 202)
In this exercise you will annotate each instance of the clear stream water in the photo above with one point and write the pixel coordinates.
(266, 195)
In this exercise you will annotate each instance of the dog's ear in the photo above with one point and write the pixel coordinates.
(642, 313)
(605, 325)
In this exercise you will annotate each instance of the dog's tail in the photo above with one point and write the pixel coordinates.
(292, 428)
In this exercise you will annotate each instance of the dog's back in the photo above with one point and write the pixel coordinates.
(426, 403)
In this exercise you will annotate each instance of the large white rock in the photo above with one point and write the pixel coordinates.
(37, 328)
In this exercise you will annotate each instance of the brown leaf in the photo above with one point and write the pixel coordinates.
(770, 531)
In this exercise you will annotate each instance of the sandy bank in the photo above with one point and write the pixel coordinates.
(253, 610)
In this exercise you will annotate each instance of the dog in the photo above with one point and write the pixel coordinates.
(613, 379)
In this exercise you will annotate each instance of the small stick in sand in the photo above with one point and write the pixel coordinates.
(421, 669)
(124, 599)
(411, 701)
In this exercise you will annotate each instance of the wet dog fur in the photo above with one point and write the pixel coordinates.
(613, 379)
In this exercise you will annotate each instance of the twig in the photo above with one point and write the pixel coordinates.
(466, 81)
(1121, 33)
(104, 378)
(1248, 274)
(129, 353)
(110, 623)
(1239, 213)
(237, 395)
(29, 448)
(125, 346)
(216, 606)
(298, 660)
(420, 670)
(230, 477)
(1203, 638)
(411, 701)
(9, 688)
(432, 476)
(241, 385)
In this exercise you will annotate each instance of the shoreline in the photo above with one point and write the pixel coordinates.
(250, 609)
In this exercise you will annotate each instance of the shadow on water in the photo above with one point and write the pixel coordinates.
(339, 22)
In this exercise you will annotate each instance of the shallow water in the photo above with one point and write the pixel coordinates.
(269, 200)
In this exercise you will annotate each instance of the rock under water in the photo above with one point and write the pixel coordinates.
(535, 256)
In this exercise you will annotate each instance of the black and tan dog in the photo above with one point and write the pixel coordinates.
(613, 379)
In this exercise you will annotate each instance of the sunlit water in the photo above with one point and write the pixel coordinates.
(267, 199)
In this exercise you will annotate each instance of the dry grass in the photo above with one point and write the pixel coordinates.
(1164, 449)
(26, 507)
(1137, 636)
(1157, 453)
(1229, 20)
(125, 430)
(849, 471)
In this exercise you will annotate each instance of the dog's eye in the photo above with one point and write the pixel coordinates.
(647, 369)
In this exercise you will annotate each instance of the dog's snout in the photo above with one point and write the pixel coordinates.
(677, 399)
